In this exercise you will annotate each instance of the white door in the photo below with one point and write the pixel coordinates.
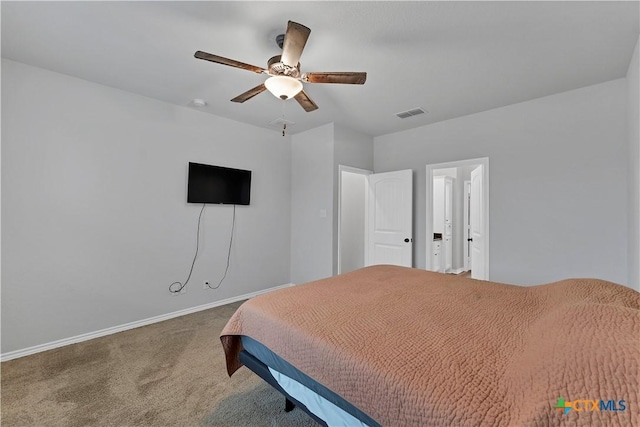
(389, 219)
(477, 225)
(467, 227)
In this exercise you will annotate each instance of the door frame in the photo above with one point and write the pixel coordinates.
(351, 169)
(484, 161)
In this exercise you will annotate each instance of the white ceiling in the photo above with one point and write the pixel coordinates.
(450, 58)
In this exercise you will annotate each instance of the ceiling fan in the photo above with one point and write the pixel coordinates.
(285, 79)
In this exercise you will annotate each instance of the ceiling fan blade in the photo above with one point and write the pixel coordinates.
(250, 93)
(305, 102)
(294, 41)
(344, 78)
(226, 61)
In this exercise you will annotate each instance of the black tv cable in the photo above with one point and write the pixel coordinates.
(233, 226)
(182, 286)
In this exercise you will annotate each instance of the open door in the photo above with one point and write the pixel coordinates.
(466, 248)
(390, 219)
(476, 209)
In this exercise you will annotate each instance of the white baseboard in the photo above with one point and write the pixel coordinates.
(120, 328)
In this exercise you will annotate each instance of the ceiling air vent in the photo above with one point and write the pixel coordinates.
(410, 113)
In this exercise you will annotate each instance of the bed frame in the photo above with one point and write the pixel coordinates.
(261, 370)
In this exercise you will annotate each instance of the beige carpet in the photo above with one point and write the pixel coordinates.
(167, 374)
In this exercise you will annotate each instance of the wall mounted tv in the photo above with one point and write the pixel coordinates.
(218, 185)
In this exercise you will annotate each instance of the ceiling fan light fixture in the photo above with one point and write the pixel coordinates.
(283, 87)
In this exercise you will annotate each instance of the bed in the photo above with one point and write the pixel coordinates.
(395, 346)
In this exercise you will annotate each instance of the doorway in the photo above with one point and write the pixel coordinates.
(461, 239)
(351, 217)
(374, 218)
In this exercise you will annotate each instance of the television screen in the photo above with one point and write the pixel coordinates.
(217, 184)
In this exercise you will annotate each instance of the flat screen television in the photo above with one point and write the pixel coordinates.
(218, 185)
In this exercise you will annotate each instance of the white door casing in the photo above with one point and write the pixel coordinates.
(390, 219)
(477, 224)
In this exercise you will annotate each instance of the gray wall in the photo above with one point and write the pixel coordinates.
(633, 115)
(95, 224)
(558, 181)
(316, 156)
(312, 195)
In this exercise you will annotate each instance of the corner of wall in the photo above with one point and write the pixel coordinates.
(633, 97)
(312, 154)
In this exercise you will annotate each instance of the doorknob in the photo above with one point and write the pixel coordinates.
(407, 240)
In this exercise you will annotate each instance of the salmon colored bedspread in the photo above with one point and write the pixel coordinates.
(416, 348)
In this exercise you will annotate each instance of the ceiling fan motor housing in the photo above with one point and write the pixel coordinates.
(278, 68)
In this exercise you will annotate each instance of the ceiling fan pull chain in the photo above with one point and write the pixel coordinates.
(284, 122)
